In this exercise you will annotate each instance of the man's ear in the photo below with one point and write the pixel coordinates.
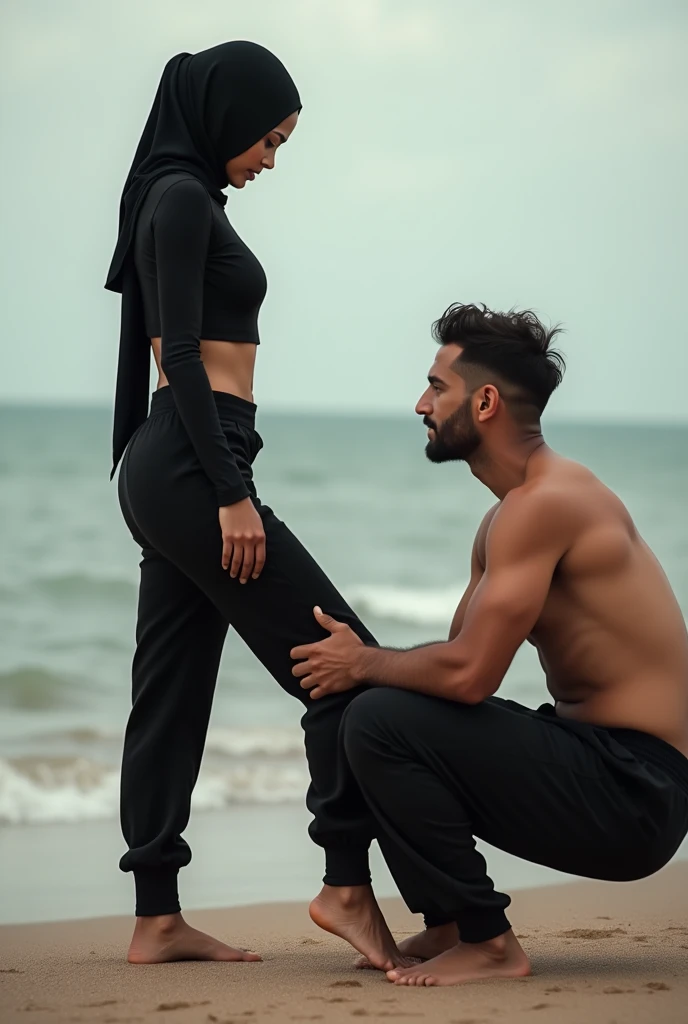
(488, 402)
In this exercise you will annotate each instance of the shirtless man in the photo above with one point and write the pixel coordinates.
(595, 783)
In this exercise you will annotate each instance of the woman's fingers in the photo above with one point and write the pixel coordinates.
(260, 558)
(237, 558)
(249, 559)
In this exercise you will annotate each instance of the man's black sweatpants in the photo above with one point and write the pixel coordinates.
(603, 803)
(187, 601)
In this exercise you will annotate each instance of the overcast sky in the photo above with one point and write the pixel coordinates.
(520, 153)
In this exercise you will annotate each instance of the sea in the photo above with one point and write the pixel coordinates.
(392, 530)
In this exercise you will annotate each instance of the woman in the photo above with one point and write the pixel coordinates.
(213, 554)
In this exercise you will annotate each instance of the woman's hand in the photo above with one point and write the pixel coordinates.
(243, 540)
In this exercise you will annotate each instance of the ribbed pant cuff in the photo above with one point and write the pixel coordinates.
(347, 867)
(156, 892)
(436, 920)
(482, 925)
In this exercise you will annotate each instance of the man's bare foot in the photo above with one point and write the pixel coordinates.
(158, 940)
(423, 946)
(352, 913)
(499, 958)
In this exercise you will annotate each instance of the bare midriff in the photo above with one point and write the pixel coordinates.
(229, 364)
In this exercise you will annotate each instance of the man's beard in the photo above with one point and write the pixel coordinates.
(457, 439)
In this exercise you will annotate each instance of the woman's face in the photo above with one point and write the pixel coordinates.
(261, 156)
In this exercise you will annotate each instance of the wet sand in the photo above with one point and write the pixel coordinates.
(602, 953)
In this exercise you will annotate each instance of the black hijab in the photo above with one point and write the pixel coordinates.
(209, 107)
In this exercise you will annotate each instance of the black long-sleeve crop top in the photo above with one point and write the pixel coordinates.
(198, 280)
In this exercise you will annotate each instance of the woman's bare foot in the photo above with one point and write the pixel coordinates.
(423, 946)
(158, 940)
(352, 913)
(499, 958)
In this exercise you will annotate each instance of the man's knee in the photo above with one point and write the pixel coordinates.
(372, 720)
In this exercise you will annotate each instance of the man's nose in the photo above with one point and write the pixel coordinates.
(423, 407)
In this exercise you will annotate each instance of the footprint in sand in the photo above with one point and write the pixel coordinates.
(614, 991)
(346, 984)
(10, 970)
(657, 986)
(329, 999)
(311, 942)
(592, 933)
(181, 1005)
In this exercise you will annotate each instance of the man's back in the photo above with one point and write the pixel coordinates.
(611, 636)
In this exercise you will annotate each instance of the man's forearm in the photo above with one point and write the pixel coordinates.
(430, 668)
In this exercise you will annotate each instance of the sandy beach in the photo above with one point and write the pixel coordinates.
(601, 952)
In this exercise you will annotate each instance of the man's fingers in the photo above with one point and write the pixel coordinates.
(226, 553)
(327, 622)
(260, 559)
(297, 653)
(316, 692)
(302, 669)
(306, 684)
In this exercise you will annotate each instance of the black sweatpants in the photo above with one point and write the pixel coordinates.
(603, 803)
(186, 604)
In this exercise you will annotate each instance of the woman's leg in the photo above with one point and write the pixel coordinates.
(179, 639)
(173, 505)
(274, 614)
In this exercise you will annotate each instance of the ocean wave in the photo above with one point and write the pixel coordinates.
(36, 689)
(69, 790)
(270, 742)
(221, 741)
(416, 606)
(84, 586)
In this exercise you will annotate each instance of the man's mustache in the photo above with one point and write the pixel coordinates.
(429, 423)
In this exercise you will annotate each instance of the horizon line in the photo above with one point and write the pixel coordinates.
(595, 419)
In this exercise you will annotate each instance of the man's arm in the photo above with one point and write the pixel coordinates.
(525, 540)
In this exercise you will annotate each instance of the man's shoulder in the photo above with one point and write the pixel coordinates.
(541, 515)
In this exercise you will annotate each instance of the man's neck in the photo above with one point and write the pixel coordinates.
(503, 467)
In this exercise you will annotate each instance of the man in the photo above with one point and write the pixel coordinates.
(595, 783)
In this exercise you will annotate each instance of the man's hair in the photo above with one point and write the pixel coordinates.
(511, 349)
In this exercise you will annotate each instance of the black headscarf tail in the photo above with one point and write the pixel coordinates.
(209, 107)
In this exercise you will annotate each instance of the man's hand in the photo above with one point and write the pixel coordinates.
(329, 665)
